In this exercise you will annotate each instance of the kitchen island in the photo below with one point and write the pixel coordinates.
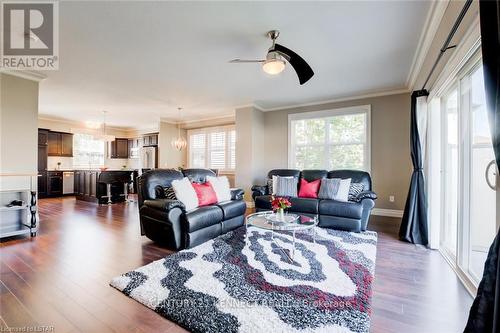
(91, 185)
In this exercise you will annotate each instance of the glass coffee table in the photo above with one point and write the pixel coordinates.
(292, 222)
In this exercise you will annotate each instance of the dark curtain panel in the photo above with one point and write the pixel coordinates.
(484, 314)
(414, 224)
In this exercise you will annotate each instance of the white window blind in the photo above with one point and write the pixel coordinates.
(87, 151)
(212, 147)
(333, 139)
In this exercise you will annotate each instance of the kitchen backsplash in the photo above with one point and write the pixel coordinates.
(67, 163)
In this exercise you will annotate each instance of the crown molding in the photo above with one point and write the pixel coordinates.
(431, 25)
(81, 124)
(29, 75)
(229, 117)
(340, 99)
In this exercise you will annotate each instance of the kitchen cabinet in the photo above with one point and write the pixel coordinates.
(54, 183)
(90, 185)
(43, 136)
(43, 140)
(133, 147)
(118, 148)
(54, 143)
(150, 139)
(60, 144)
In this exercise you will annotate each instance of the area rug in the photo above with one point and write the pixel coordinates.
(235, 283)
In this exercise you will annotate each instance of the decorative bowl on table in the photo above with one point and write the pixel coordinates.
(103, 168)
(277, 218)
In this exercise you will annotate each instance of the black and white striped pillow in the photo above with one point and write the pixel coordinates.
(329, 188)
(169, 193)
(270, 185)
(286, 186)
(354, 190)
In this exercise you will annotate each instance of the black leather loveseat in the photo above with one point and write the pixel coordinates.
(352, 215)
(167, 222)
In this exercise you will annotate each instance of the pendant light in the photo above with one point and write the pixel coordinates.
(180, 142)
(103, 136)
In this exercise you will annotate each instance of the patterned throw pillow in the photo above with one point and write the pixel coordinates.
(334, 189)
(286, 186)
(270, 185)
(354, 190)
(169, 193)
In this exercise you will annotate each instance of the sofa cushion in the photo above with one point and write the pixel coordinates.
(202, 217)
(304, 205)
(352, 210)
(232, 208)
(355, 175)
(311, 175)
(263, 202)
(285, 186)
(198, 175)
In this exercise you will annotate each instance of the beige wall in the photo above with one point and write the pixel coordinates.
(250, 164)
(168, 156)
(18, 131)
(390, 152)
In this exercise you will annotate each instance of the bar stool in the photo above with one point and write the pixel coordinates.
(107, 179)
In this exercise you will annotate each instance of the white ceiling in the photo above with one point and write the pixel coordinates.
(140, 60)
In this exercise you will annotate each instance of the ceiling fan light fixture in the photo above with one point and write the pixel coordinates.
(273, 66)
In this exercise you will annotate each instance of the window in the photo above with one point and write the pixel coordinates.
(87, 151)
(212, 147)
(333, 139)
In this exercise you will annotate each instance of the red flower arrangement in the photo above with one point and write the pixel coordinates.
(280, 203)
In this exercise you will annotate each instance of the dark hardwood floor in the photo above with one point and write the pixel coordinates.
(60, 278)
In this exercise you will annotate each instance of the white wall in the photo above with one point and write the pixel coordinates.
(18, 132)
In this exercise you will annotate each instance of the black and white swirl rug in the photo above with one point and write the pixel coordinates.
(233, 284)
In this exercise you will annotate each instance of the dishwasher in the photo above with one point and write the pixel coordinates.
(68, 182)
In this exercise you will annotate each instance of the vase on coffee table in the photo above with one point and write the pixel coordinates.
(280, 214)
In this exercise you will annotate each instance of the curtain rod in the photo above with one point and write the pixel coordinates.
(446, 45)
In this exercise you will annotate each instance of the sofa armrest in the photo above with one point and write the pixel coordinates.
(366, 195)
(237, 194)
(258, 190)
(164, 204)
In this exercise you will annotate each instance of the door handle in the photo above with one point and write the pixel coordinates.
(495, 172)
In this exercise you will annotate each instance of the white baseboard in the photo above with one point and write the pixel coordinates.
(387, 212)
(250, 204)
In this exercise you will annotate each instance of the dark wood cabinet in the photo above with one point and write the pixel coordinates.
(42, 184)
(43, 136)
(43, 140)
(67, 144)
(55, 144)
(42, 158)
(150, 140)
(54, 183)
(60, 144)
(118, 148)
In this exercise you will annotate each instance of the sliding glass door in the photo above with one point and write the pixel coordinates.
(480, 220)
(450, 172)
(468, 198)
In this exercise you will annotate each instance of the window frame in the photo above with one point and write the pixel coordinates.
(207, 131)
(75, 150)
(359, 109)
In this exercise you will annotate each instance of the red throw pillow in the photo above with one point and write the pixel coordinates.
(309, 189)
(205, 193)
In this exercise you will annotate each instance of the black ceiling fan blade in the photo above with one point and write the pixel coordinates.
(303, 70)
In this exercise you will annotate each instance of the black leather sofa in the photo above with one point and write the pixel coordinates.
(351, 215)
(167, 222)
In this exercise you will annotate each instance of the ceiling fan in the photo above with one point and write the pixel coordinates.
(274, 63)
